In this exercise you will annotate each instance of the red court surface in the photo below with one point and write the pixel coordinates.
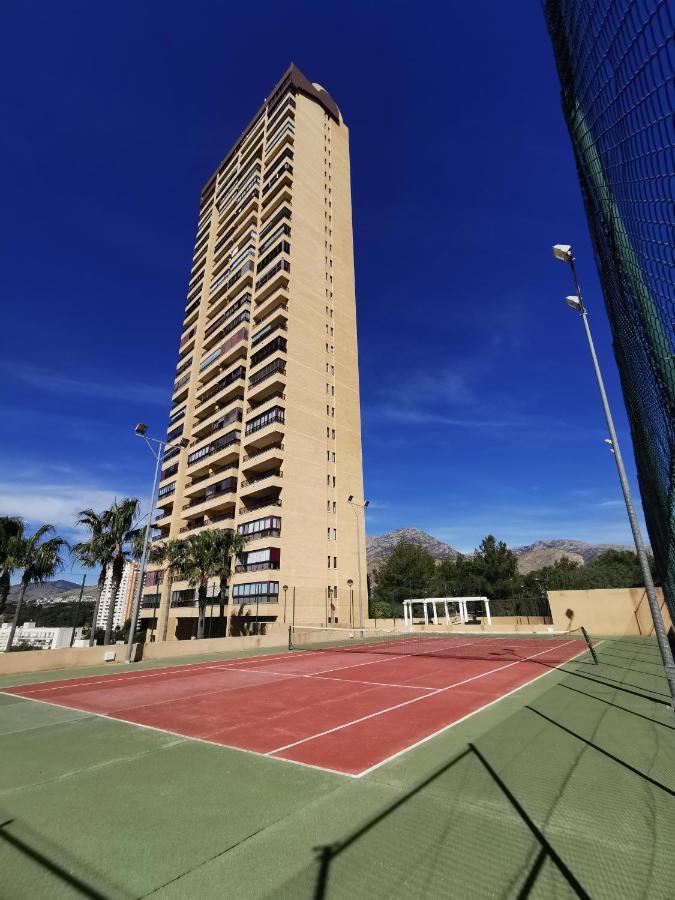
(346, 710)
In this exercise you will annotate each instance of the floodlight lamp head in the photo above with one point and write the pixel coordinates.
(284, 587)
(141, 429)
(563, 252)
(350, 498)
(183, 442)
(366, 504)
(350, 581)
(574, 303)
(609, 441)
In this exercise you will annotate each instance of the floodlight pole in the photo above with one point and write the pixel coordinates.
(359, 507)
(659, 628)
(158, 454)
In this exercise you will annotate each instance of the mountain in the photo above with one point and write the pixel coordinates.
(545, 553)
(379, 548)
(530, 557)
(53, 592)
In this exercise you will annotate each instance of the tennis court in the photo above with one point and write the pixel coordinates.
(344, 702)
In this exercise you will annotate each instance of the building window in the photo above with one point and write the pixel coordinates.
(256, 592)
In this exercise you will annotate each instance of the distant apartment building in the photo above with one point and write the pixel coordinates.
(125, 596)
(266, 386)
(38, 637)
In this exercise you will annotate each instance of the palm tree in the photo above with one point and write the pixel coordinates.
(10, 528)
(96, 551)
(120, 526)
(40, 559)
(112, 535)
(230, 544)
(195, 558)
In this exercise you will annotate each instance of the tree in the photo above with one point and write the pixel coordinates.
(112, 535)
(96, 551)
(195, 558)
(408, 572)
(494, 568)
(40, 559)
(10, 529)
(229, 544)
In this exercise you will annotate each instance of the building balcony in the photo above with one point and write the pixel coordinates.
(274, 303)
(180, 388)
(269, 564)
(200, 482)
(235, 346)
(209, 521)
(275, 277)
(223, 450)
(277, 324)
(267, 382)
(217, 422)
(261, 456)
(191, 313)
(187, 341)
(269, 502)
(219, 395)
(218, 495)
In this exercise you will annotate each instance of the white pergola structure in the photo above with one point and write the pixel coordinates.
(460, 603)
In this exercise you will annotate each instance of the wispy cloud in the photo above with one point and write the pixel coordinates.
(57, 383)
(56, 503)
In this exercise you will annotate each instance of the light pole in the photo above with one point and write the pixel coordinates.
(563, 252)
(141, 430)
(284, 589)
(359, 507)
(350, 583)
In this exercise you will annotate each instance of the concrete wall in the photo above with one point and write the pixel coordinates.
(617, 611)
(76, 657)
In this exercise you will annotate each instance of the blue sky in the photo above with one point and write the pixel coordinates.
(480, 413)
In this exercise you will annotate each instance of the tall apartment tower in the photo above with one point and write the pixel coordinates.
(266, 387)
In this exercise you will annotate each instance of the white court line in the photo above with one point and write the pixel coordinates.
(135, 676)
(414, 700)
(417, 687)
(472, 713)
(188, 737)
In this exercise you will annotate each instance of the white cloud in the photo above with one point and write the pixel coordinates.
(63, 384)
(57, 504)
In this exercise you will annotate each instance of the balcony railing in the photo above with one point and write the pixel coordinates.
(259, 566)
(234, 375)
(263, 476)
(234, 437)
(168, 472)
(266, 331)
(233, 416)
(276, 414)
(237, 338)
(244, 300)
(286, 169)
(183, 366)
(191, 307)
(277, 395)
(186, 337)
(226, 486)
(253, 453)
(277, 365)
(284, 213)
(282, 265)
(259, 504)
(178, 384)
(277, 343)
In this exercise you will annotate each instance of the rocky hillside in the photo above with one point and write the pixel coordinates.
(53, 592)
(530, 557)
(379, 548)
(545, 553)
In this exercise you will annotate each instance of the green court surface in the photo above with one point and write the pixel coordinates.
(565, 788)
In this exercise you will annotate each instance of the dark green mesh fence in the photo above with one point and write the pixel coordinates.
(616, 62)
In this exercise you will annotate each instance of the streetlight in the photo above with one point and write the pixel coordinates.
(141, 430)
(356, 507)
(350, 583)
(563, 252)
(284, 589)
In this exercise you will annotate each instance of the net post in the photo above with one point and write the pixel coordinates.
(590, 645)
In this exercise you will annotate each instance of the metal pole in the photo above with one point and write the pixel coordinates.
(659, 628)
(77, 610)
(257, 600)
(144, 557)
(293, 622)
(356, 507)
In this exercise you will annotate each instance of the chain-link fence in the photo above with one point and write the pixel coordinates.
(616, 62)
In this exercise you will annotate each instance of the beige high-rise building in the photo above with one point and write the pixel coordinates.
(266, 387)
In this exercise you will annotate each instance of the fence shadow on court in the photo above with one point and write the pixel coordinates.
(578, 775)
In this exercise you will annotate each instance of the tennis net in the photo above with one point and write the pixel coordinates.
(439, 644)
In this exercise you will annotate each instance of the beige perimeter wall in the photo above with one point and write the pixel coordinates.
(619, 611)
